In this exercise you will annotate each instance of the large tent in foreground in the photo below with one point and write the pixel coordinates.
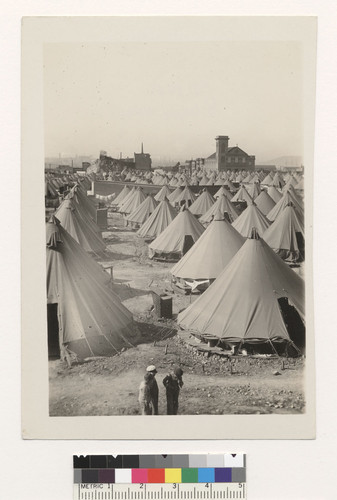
(85, 317)
(257, 298)
(203, 263)
(179, 236)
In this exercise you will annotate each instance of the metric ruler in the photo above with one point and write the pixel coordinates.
(160, 477)
(216, 491)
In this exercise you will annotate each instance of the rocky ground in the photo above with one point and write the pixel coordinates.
(213, 384)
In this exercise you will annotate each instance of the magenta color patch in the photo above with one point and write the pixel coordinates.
(139, 475)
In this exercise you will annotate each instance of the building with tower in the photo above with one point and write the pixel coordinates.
(142, 160)
(229, 158)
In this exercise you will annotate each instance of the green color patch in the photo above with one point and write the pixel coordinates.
(189, 475)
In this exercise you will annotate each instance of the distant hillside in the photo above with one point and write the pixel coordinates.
(284, 161)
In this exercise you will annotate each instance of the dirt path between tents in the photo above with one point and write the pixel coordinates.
(109, 386)
(212, 385)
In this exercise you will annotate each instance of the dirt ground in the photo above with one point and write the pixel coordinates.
(213, 384)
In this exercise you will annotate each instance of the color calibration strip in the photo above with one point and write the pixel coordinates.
(160, 469)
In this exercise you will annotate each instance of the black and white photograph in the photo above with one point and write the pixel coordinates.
(174, 180)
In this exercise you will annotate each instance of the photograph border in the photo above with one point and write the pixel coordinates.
(36, 422)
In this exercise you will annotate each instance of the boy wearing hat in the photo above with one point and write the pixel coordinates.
(173, 383)
(144, 397)
(154, 391)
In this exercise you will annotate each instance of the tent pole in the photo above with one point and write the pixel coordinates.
(272, 345)
(296, 348)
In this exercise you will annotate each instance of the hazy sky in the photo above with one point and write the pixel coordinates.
(175, 97)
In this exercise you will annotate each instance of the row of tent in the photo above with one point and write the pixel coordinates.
(85, 316)
(247, 279)
(282, 227)
(201, 177)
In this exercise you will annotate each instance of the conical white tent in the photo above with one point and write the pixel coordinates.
(162, 216)
(274, 194)
(176, 193)
(284, 201)
(253, 189)
(242, 195)
(186, 197)
(242, 304)
(223, 205)
(210, 254)
(127, 197)
(224, 191)
(202, 203)
(133, 202)
(251, 218)
(264, 202)
(286, 235)
(268, 180)
(163, 193)
(83, 229)
(91, 319)
(177, 238)
(143, 211)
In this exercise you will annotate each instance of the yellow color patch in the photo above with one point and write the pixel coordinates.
(172, 475)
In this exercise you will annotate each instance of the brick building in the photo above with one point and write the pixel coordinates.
(229, 158)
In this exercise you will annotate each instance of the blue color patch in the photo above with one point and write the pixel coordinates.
(206, 475)
(223, 475)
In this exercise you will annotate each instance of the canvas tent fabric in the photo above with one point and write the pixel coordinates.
(86, 205)
(127, 197)
(82, 229)
(278, 180)
(143, 211)
(223, 205)
(162, 216)
(172, 239)
(253, 190)
(211, 253)
(300, 185)
(163, 193)
(230, 185)
(242, 195)
(203, 203)
(204, 180)
(281, 236)
(242, 303)
(284, 201)
(274, 194)
(176, 193)
(264, 202)
(224, 191)
(92, 320)
(133, 202)
(186, 196)
(251, 218)
(268, 180)
(125, 191)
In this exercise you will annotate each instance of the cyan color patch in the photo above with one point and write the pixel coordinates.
(206, 475)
